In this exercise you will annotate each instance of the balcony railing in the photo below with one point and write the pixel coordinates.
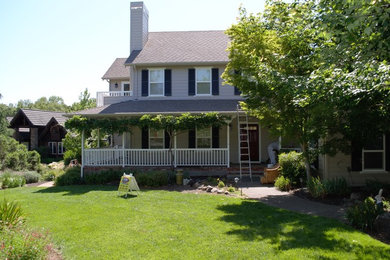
(102, 94)
(156, 157)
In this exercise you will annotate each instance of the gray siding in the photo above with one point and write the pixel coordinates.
(139, 17)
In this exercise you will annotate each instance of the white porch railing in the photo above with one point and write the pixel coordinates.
(102, 94)
(155, 157)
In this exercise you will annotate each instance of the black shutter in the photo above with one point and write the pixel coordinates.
(215, 137)
(356, 156)
(191, 138)
(191, 82)
(215, 81)
(237, 91)
(145, 138)
(387, 151)
(145, 83)
(167, 139)
(168, 83)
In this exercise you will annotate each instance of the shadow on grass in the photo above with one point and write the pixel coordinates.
(286, 230)
(77, 189)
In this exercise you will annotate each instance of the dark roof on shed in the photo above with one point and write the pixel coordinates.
(39, 117)
(186, 47)
(164, 106)
(117, 70)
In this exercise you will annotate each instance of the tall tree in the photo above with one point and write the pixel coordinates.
(85, 102)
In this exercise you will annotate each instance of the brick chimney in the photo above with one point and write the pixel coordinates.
(139, 25)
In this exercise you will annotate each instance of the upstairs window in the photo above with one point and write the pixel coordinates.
(156, 139)
(126, 88)
(156, 82)
(203, 138)
(373, 154)
(203, 81)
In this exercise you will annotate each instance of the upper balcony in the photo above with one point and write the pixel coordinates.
(109, 97)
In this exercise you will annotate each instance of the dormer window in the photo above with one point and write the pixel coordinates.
(203, 81)
(156, 82)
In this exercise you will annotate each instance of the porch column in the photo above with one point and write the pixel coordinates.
(98, 140)
(82, 154)
(228, 145)
(123, 150)
(175, 152)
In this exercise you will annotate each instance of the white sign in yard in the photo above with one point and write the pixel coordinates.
(127, 183)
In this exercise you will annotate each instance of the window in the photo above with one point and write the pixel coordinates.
(126, 88)
(53, 147)
(203, 81)
(373, 155)
(60, 148)
(156, 82)
(156, 139)
(203, 138)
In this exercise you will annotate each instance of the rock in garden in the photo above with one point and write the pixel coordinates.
(219, 191)
(226, 193)
(214, 190)
(209, 188)
(200, 187)
(197, 185)
(382, 224)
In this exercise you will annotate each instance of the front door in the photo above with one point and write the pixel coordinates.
(253, 134)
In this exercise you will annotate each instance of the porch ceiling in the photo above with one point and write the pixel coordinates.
(163, 107)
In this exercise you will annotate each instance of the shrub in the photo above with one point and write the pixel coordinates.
(231, 189)
(336, 187)
(11, 180)
(10, 214)
(221, 184)
(316, 187)
(212, 181)
(102, 177)
(71, 176)
(363, 214)
(153, 178)
(33, 160)
(31, 177)
(19, 243)
(282, 183)
(292, 167)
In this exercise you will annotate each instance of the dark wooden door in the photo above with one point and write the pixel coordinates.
(253, 134)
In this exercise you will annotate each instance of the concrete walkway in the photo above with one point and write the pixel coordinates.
(285, 200)
(46, 184)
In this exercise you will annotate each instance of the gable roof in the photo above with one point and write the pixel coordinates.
(186, 47)
(39, 117)
(117, 70)
(137, 107)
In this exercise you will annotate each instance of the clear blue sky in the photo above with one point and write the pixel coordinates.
(61, 47)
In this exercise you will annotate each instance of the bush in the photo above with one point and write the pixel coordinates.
(363, 215)
(10, 214)
(316, 188)
(51, 174)
(212, 181)
(102, 177)
(221, 184)
(19, 243)
(10, 180)
(33, 160)
(282, 183)
(71, 176)
(31, 177)
(336, 187)
(153, 178)
(231, 189)
(292, 167)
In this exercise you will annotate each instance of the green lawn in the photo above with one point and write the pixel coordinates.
(92, 222)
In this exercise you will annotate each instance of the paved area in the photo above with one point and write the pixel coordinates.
(273, 197)
(46, 184)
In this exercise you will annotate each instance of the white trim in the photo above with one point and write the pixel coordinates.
(163, 82)
(163, 137)
(196, 81)
(60, 151)
(383, 151)
(211, 138)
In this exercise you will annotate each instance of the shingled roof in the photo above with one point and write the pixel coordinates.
(187, 47)
(39, 117)
(117, 70)
(163, 106)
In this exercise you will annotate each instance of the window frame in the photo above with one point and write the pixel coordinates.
(60, 151)
(150, 82)
(150, 137)
(196, 81)
(210, 137)
(51, 146)
(383, 151)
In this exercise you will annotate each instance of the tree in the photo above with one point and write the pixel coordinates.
(85, 102)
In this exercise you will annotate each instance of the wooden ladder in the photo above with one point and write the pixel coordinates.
(244, 153)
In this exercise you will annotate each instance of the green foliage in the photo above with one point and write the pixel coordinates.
(316, 187)
(221, 184)
(282, 183)
(102, 177)
(33, 160)
(85, 102)
(154, 178)
(336, 187)
(11, 180)
(21, 243)
(363, 214)
(31, 177)
(71, 176)
(292, 167)
(10, 214)
(372, 188)
(212, 181)
(231, 189)
(72, 144)
(4, 112)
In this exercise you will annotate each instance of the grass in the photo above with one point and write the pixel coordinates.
(92, 222)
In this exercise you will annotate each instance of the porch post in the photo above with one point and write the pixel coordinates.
(98, 140)
(82, 154)
(228, 145)
(123, 150)
(175, 153)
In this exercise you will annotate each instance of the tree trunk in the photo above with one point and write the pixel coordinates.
(305, 152)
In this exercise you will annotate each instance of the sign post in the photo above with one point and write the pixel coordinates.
(127, 183)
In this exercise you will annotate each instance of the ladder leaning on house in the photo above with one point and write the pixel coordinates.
(244, 155)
